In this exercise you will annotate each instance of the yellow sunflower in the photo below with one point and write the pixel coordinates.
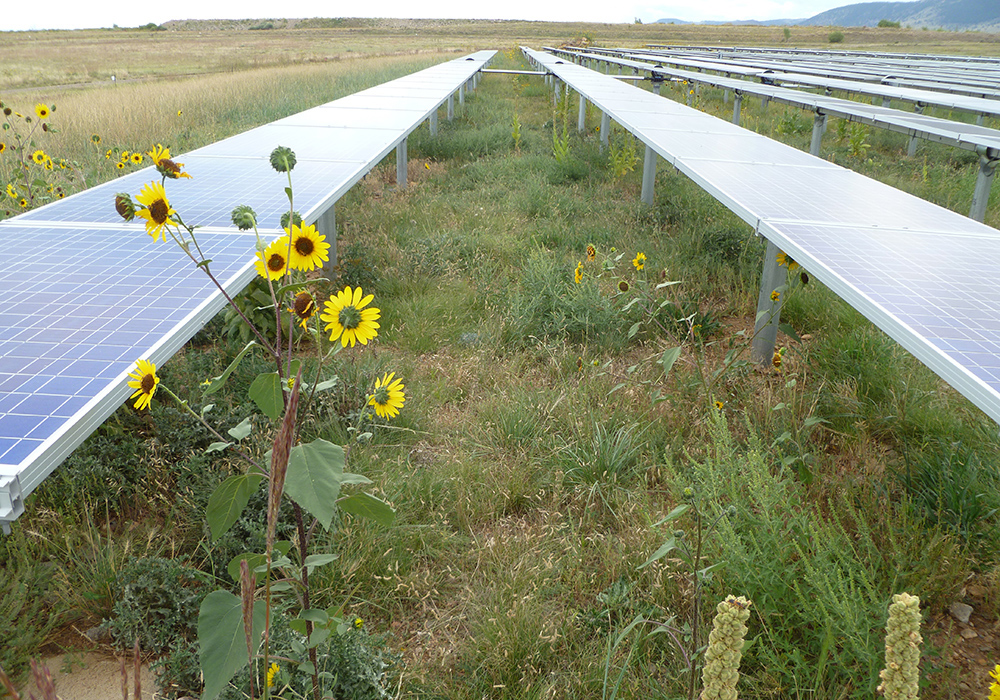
(136, 158)
(144, 384)
(591, 252)
(23, 202)
(578, 274)
(309, 248)
(11, 192)
(167, 167)
(304, 307)
(38, 157)
(388, 396)
(107, 154)
(273, 263)
(120, 165)
(640, 261)
(775, 295)
(158, 210)
(124, 156)
(42, 111)
(3, 147)
(347, 318)
(95, 138)
(785, 260)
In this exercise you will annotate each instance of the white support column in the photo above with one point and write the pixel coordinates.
(737, 103)
(768, 311)
(461, 95)
(979, 119)
(764, 101)
(326, 225)
(451, 106)
(819, 126)
(433, 121)
(886, 102)
(725, 96)
(657, 86)
(911, 147)
(401, 163)
(648, 176)
(581, 119)
(984, 183)
(605, 129)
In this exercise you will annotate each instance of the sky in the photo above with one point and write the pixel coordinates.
(79, 14)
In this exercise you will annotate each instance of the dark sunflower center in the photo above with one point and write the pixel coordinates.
(275, 263)
(349, 317)
(158, 211)
(304, 246)
(304, 305)
(148, 382)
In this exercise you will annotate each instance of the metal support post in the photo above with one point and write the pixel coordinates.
(763, 101)
(725, 96)
(555, 92)
(768, 311)
(451, 106)
(886, 102)
(461, 95)
(605, 129)
(657, 86)
(690, 97)
(581, 119)
(648, 175)
(737, 103)
(979, 119)
(819, 126)
(911, 147)
(984, 182)
(326, 225)
(401, 162)
(433, 123)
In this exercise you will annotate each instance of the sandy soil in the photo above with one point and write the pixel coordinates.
(92, 675)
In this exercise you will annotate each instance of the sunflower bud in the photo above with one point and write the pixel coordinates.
(244, 218)
(282, 159)
(124, 206)
(296, 220)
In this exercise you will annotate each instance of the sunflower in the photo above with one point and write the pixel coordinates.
(775, 295)
(42, 111)
(157, 212)
(120, 165)
(107, 154)
(144, 384)
(623, 286)
(785, 260)
(23, 202)
(95, 138)
(272, 671)
(3, 147)
(309, 248)
(167, 167)
(124, 156)
(591, 252)
(640, 261)
(388, 396)
(136, 158)
(347, 318)
(38, 157)
(578, 273)
(273, 263)
(11, 192)
(718, 405)
(304, 307)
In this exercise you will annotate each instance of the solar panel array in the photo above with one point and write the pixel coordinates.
(87, 294)
(923, 274)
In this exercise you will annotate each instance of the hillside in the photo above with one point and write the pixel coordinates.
(977, 15)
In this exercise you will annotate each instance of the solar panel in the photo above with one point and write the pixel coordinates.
(91, 294)
(922, 273)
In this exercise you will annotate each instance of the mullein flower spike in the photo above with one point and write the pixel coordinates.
(725, 642)
(901, 674)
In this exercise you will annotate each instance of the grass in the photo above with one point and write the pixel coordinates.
(526, 488)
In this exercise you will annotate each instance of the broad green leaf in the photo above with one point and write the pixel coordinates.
(669, 358)
(675, 513)
(813, 420)
(228, 501)
(367, 506)
(217, 383)
(319, 635)
(634, 329)
(313, 480)
(256, 561)
(206, 408)
(242, 430)
(667, 547)
(787, 329)
(266, 393)
(217, 447)
(315, 615)
(328, 384)
(617, 387)
(629, 305)
(222, 639)
(662, 285)
(348, 478)
(315, 560)
(307, 667)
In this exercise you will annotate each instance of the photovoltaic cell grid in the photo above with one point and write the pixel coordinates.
(87, 294)
(923, 274)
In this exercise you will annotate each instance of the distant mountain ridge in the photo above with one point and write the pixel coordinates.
(960, 15)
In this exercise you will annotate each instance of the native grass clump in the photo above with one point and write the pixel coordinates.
(586, 455)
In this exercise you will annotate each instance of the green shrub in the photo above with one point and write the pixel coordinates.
(888, 24)
(836, 37)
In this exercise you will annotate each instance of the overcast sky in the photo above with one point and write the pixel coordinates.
(78, 14)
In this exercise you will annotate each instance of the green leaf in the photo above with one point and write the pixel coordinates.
(217, 447)
(307, 667)
(617, 387)
(217, 382)
(665, 549)
(315, 615)
(315, 560)
(367, 506)
(675, 513)
(319, 635)
(315, 471)
(328, 384)
(222, 639)
(789, 331)
(228, 501)
(206, 408)
(242, 430)
(813, 420)
(634, 329)
(266, 393)
(348, 478)
(669, 358)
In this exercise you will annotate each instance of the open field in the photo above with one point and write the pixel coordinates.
(540, 440)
